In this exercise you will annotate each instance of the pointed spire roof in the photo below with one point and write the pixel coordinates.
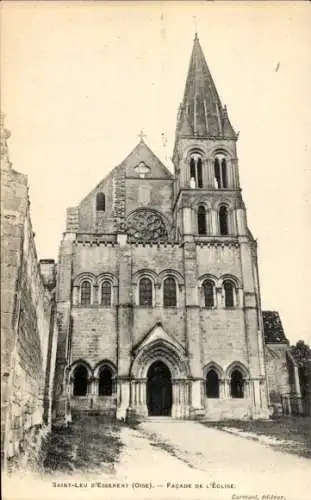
(201, 112)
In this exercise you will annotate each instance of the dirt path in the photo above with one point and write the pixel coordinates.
(170, 460)
(221, 458)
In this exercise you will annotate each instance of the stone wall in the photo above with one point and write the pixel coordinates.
(28, 341)
(102, 334)
(278, 372)
(307, 389)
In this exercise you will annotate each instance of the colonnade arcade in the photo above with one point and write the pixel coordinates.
(160, 382)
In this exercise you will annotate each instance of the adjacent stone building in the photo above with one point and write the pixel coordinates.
(282, 370)
(28, 336)
(158, 294)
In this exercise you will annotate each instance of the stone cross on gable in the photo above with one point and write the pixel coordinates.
(141, 135)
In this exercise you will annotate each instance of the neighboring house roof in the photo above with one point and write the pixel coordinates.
(273, 328)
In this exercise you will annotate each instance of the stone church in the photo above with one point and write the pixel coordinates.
(158, 296)
(153, 308)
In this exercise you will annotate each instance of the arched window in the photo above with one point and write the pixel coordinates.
(236, 384)
(196, 172)
(223, 220)
(100, 202)
(229, 290)
(85, 293)
(224, 173)
(80, 380)
(105, 382)
(169, 292)
(208, 287)
(192, 169)
(212, 384)
(220, 172)
(145, 292)
(106, 293)
(201, 220)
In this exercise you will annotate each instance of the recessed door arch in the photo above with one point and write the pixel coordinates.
(159, 389)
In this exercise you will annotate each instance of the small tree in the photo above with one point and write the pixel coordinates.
(302, 354)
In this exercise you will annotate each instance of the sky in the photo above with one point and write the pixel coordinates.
(80, 81)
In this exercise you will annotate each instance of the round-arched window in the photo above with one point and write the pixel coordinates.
(80, 381)
(169, 292)
(223, 220)
(105, 382)
(86, 293)
(145, 292)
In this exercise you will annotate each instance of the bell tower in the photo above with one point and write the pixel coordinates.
(205, 159)
(210, 218)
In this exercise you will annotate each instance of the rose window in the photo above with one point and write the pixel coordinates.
(146, 225)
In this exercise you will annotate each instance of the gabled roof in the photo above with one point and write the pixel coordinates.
(273, 328)
(142, 153)
(201, 112)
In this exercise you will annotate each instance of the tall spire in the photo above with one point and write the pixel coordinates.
(201, 112)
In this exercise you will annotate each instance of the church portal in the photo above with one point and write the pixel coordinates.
(159, 390)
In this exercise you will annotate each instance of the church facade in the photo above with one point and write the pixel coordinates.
(158, 296)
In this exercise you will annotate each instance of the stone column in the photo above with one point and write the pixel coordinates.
(176, 399)
(192, 325)
(143, 395)
(210, 174)
(187, 221)
(241, 222)
(196, 399)
(158, 297)
(222, 388)
(235, 172)
(94, 386)
(182, 398)
(227, 394)
(214, 219)
(124, 397)
(75, 295)
(125, 324)
(95, 295)
(219, 297)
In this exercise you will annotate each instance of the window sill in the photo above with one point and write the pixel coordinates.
(92, 306)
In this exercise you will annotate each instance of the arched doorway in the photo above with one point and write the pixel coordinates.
(159, 389)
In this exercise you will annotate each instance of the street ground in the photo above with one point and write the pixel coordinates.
(290, 434)
(164, 459)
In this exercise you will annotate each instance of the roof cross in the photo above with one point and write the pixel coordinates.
(141, 135)
(195, 20)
